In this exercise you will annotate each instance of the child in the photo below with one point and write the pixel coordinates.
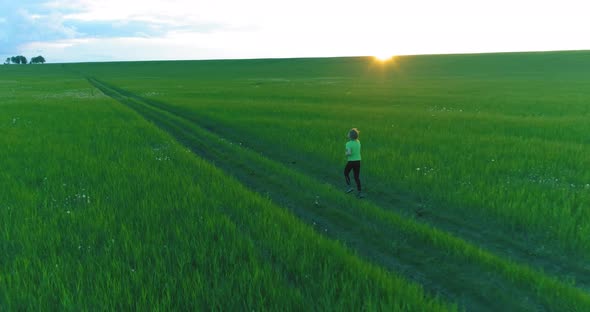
(353, 154)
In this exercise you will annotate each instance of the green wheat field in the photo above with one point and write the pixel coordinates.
(218, 185)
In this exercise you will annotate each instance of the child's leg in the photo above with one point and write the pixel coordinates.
(357, 173)
(347, 170)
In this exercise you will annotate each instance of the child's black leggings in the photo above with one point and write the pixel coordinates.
(355, 166)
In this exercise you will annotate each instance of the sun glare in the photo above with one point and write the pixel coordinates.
(384, 57)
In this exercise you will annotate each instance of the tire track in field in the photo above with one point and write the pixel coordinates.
(474, 285)
(491, 234)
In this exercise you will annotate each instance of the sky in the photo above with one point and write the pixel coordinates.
(135, 30)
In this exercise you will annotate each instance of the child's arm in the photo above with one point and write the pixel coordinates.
(348, 152)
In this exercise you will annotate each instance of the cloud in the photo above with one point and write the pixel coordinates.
(29, 23)
(61, 20)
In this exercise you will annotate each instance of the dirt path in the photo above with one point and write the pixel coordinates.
(471, 284)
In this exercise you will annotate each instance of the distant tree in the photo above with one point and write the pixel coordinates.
(37, 60)
(18, 59)
(7, 61)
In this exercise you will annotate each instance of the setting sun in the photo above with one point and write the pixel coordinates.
(383, 57)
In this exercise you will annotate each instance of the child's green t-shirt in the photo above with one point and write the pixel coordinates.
(355, 149)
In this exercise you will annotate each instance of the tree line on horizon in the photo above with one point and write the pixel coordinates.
(19, 59)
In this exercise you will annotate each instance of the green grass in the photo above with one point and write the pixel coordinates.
(174, 185)
(381, 236)
(101, 210)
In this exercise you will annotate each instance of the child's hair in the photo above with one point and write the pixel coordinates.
(353, 134)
